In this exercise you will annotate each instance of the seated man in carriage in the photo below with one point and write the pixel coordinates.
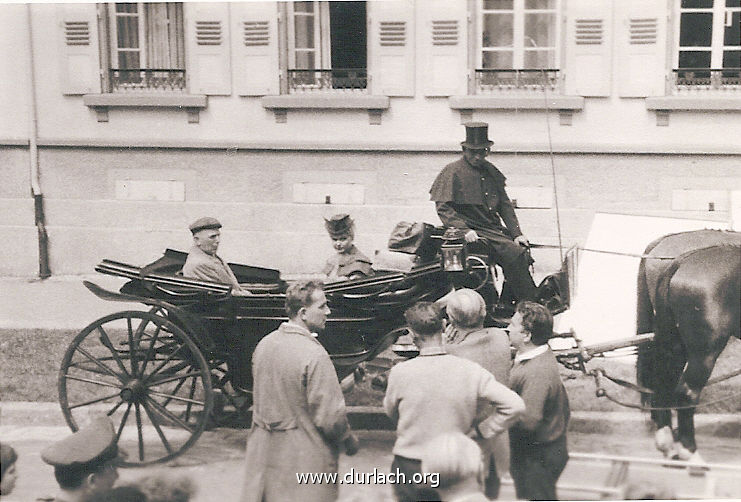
(203, 262)
(349, 262)
(469, 195)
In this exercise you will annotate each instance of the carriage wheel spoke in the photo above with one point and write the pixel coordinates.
(97, 362)
(92, 401)
(179, 398)
(116, 407)
(107, 342)
(123, 422)
(159, 367)
(170, 415)
(139, 432)
(189, 406)
(150, 349)
(174, 377)
(175, 391)
(157, 427)
(102, 383)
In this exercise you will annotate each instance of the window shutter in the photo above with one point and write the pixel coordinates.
(589, 45)
(255, 43)
(642, 44)
(391, 33)
(208, 56)
(446, 44)
(79, 59)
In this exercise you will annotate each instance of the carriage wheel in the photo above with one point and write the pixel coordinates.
(147, 375)
(478, 272)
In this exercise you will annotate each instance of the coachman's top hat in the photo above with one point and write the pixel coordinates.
(477, 135)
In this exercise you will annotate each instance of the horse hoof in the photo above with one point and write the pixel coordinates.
(664, 440)
(681, 453)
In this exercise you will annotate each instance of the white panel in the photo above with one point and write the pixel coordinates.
(150, 190)
(641, 42)
(328, 193)
(531, 196)
(700, 200)
(207, 41)
(78, 48)
(255, 46)
(445, 48)
(391, 47)
(588, 70)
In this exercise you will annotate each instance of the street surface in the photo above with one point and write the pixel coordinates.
(215, 463)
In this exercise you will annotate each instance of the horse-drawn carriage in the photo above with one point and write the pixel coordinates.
(161, 372)
(164, 373)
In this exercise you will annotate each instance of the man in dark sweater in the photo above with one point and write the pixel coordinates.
(538, 452)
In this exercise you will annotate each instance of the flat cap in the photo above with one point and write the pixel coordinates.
(95, 442)
(204, 223)
(339, 225)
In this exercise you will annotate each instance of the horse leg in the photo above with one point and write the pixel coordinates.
(669, 369)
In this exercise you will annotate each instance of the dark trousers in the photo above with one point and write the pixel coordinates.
(404, 490)
(515, 262)
(535, 468)
(492, 482)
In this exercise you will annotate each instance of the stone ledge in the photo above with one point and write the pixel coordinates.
(692, 103)
(281, 104)
(566, 105)
(191, 103)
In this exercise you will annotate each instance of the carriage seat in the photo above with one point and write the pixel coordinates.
(255, 279)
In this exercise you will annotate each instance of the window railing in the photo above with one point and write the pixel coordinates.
(336, 80)
(700, 79)
(146, 80)
(497, 80)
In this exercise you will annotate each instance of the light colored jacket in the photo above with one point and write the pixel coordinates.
(298, 419)
(206, 267)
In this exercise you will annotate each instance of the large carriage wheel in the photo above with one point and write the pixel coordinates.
(147, 375)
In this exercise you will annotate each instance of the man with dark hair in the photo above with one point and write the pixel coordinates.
(436, 393)
(299, 422)
(538, 452)
(84, 462)
(469, 195)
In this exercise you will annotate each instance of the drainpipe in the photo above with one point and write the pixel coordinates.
(33, 153)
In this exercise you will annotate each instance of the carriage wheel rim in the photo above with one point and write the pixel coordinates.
(145, 392)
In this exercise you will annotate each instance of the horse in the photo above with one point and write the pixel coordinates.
(693, 311)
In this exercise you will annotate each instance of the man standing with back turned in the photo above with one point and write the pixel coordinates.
(299, 423)
(469, 195)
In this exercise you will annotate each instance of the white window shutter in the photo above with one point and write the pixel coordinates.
(446, 42)
(391, 47)
(79, 53)
(589, 47)
(255, 45)
(207, 48)
(641, 47)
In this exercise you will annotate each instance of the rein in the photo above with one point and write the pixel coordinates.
(616, 253)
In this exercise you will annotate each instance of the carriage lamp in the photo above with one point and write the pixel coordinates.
(454, 256)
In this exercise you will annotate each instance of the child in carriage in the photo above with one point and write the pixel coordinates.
(348, 262)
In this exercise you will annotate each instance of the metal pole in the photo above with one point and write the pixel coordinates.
(33, 153)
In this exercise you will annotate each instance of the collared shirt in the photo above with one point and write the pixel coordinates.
(540, 349)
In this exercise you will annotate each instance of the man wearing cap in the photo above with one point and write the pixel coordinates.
(469, 195)
(84, 462)
(348, 262)
(203, 262)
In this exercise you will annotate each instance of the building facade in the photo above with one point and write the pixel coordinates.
(124, 122)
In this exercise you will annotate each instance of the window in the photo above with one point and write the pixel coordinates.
(518, 46)
(327, 46)
(709, 45)
(147, 50)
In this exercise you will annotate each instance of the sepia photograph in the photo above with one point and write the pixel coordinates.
(472, 250)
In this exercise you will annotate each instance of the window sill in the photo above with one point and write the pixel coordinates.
(191, 103)
(281, 104)
(664, 104)
(566, 105)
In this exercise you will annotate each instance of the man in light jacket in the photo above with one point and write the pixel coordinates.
(299, 424)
